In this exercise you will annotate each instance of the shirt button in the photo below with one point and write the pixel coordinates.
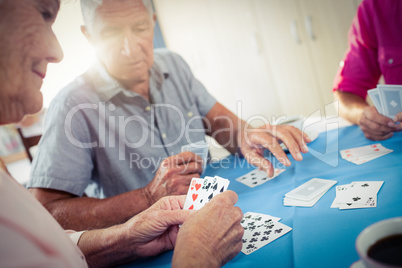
(148, 108)
(190, 114)
(163, 135)
(390, 61)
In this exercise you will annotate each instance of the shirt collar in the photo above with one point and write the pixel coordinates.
(107, 87)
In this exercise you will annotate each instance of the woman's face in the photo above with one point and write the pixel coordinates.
(27, 45)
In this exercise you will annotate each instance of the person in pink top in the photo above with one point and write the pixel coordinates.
(374, 50)
(30, 237)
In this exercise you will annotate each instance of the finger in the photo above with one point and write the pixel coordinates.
(378, 137)
(373, 132)
(398, 117)
(300, 138)
(229, 195)
(189, 168)
(259, 161)
(270, 143)
(173, 217)
(375, 121)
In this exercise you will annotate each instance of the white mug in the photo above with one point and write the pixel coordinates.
(371, 235)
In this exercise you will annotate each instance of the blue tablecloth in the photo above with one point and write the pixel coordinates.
(321, 236)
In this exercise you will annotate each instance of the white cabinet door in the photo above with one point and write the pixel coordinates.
(326, 23)
(261, 52)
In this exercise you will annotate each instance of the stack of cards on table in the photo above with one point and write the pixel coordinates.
(259, 230)
(360, 155)
(201, 191)
(307, 194)
(200, 148)
(358, 194)
(387, 99)
(257, 177)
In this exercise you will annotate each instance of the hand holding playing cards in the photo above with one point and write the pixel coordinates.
(154, 230)
(254, 141)
(149, 233)
(376, 126)
(174, 176)
(211, 236)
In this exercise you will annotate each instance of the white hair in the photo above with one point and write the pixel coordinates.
(88, 9)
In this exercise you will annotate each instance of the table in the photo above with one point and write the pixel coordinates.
(321, 236)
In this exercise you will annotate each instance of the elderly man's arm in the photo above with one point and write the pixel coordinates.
(356, 110)
(147, 234)
(234, 134)
(82, 213)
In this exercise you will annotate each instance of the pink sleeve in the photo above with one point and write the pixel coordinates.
(360, 70)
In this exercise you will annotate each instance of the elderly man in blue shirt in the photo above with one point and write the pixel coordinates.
(112, 141)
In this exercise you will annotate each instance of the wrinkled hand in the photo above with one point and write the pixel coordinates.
(211, 236)
(174, 176)
(154, 230)
(376, 126)
(255, 141)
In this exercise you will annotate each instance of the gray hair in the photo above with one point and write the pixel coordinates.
(88, 9)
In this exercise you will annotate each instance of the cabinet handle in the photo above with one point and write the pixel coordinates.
(295, 32)
(309, 26)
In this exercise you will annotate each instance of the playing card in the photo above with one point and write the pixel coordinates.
(216, 185)
(370, 203)
(339, 190)
(363, 154)
(391, 99)
(362, 192)
(311, 189)
(194, 194)
(260, 230)
(257, 177)
(363, 151)
(375, 97)
(359, 194)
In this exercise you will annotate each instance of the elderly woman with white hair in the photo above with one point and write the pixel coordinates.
(30, 237)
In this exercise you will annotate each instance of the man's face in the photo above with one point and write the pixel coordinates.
(27, 45)
(122, 34)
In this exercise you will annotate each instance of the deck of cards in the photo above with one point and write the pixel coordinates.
(358, 194)
(360, 155)
(260, 230)
(201, 191)
(387, 99)
(307, 194)
(257, 177)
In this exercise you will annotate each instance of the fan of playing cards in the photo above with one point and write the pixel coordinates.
(358, 194)
(259, 229)
(360, 155)
(387, 99)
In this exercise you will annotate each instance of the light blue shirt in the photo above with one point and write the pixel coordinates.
(104, 140)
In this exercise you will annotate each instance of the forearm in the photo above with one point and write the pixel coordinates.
(85, 213)
(351, 106)
(225, 127)
(106, 247)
